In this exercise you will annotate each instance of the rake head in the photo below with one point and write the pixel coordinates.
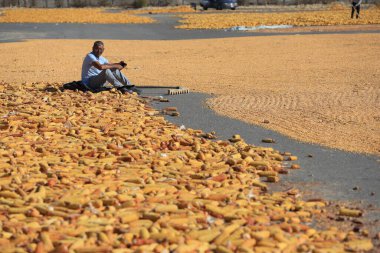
(172, 90)
(178, 90)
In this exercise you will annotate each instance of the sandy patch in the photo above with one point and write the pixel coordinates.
(316, 88)
(306, 18)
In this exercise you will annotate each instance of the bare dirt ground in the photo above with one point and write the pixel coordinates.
(317, 88)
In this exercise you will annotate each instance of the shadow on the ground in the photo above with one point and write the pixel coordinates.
(74, 85)
(79, 86)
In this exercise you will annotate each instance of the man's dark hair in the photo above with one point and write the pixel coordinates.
(98, 43)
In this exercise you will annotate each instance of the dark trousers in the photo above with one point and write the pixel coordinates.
(357, 8)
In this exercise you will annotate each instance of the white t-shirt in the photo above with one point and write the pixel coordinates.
(88, 70)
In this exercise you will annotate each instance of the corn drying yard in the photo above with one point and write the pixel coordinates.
(84, 172)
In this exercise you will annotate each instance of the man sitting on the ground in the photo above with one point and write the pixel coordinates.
(97, 71)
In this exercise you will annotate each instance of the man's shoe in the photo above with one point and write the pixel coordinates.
(134, 89)
(125, 90)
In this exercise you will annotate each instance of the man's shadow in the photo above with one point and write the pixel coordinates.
(74, 85)
(79, 86)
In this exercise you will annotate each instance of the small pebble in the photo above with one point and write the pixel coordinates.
(268, 140)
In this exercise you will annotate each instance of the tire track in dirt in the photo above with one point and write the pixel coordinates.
(356, 124)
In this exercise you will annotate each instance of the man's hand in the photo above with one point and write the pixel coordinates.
(123, 64)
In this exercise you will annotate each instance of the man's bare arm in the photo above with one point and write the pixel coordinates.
(107, 65)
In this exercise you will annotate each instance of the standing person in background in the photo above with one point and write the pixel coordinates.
(356, 6)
